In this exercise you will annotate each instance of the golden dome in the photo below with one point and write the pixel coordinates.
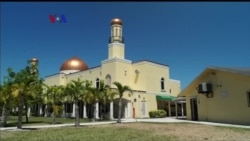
(116, 21)
(74, 63)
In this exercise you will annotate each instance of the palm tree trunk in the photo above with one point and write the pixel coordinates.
(20, 112)
(54, 108)
(120, 110)
(65, 112)
(4, 116)
(77, 122)
(94, 112)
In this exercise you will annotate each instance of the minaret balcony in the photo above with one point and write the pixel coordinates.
(116, 39)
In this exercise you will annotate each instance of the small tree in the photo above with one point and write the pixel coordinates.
(5, 99)
(92, 97)
(54, 96)
(105, 96)
(121, 89)
(33, 95)
(76, 90)
(23, 83)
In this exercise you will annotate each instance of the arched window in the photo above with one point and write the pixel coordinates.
(97, 83)
(162, 83)
(108, 80)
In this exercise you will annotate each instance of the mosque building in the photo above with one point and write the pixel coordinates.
(152, 87)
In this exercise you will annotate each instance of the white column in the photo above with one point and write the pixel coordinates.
(40, 109)
(73, 111)
(28, 111)
(176, 112)
(97, 110)
(129, 109)
(63, 111)
(126, 111)
(182, 110)
(111, 111)
(46, 110)
(84, 111)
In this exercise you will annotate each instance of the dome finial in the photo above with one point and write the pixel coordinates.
(116, 21)
(33, 60)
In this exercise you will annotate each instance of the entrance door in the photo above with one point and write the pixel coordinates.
(143, 108)
(194, 109)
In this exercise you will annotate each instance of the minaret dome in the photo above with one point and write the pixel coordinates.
(116, 21)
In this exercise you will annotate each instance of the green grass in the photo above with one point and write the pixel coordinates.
(219, 127)
(129, 132)
(12, 121)
(83, 133)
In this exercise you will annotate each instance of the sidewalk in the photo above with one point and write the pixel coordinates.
(55, 125)
(161, 120)
(173, 119)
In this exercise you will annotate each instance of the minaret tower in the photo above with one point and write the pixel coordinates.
(116, 42)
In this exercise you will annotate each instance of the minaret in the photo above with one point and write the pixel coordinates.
(116, 43)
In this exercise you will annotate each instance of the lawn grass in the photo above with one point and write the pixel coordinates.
(83, 133)
(217, 126)
(12, 121)
(131, 132)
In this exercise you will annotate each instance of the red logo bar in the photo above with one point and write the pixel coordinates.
(51, 19)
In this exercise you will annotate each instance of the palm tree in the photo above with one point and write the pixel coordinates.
(33, 95)
(121, 89)
(96, 94)
(23, 81)
(106, 95)
(76, 90)
(92, 97)
(5, 99)
(87, 96)
(54, 96)
(19, 92)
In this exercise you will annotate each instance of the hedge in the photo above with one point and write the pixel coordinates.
(157, 114)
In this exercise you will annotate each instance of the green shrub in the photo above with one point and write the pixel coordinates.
(157, 114)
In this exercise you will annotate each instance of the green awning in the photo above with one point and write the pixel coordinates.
(164, 97)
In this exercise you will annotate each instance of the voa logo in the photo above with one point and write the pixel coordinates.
(57, 19)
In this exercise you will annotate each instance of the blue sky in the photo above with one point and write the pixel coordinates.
(187, 36)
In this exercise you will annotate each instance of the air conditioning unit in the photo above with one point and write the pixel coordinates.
(205, 88)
